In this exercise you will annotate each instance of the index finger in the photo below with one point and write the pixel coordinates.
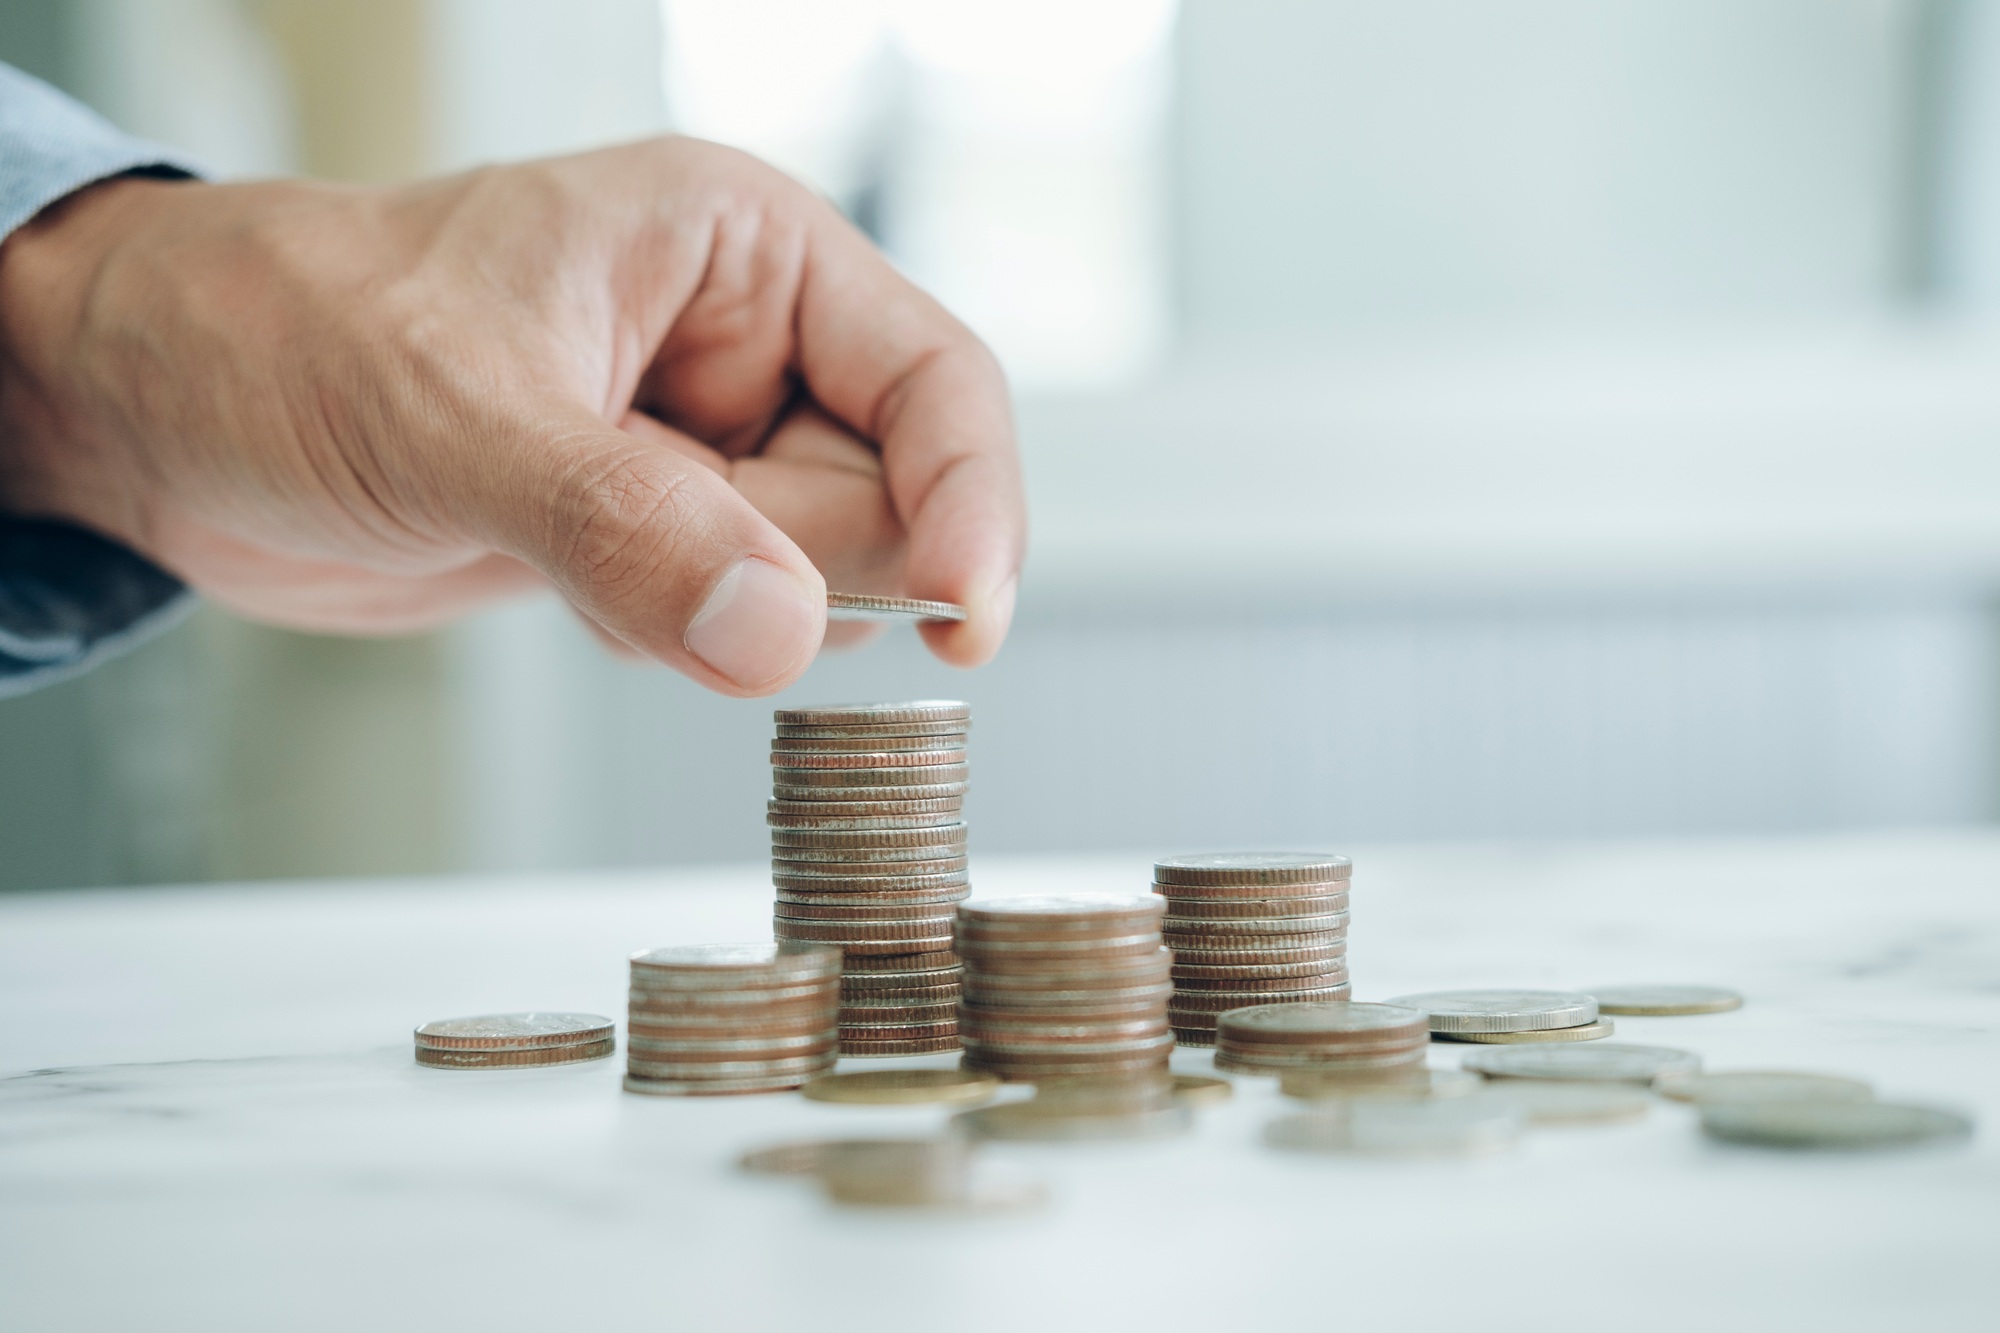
(898, 369)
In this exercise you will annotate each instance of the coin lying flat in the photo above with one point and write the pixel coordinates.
(1834, 1125)
(863, 715)
(1198, 1090)
(1455, 1011)
(1037, 1120)
(1414, 1083)
(804, 1157)
(1463, 1127)
(863, 606)
(1589, 1062)
(538, 1057)
(1754, 1086)
(1545, 1102)
(1226, 868)
(1666, 1001)
(512, 1032)
(901, 1087)
(1581, 1032)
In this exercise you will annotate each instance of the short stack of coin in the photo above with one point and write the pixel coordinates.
(1064, 985)
(514, 1041)
(1330, 1037)
(868, 854)
(1252, 928)
(707, 1019)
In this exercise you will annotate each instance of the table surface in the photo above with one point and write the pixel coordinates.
(209, 1117)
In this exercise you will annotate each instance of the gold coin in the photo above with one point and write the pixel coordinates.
(1582, 1032)
(900, 1087)
(1199, 1090)
(1666, 1001)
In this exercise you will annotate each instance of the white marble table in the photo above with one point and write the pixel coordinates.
(209, 1119)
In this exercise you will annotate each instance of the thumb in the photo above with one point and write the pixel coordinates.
(660, 551)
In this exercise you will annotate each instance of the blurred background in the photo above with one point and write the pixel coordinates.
(1444, 420)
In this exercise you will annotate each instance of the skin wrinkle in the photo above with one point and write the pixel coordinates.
(616, 573)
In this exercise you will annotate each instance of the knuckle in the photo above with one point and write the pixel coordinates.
(626, 519)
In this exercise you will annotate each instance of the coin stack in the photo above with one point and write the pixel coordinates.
(868, 853)
(1252, 928)
(511, 1041)
(1064, 985)
(707, 1019)
(1335, 1036)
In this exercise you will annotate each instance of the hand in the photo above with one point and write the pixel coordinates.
(663, 378)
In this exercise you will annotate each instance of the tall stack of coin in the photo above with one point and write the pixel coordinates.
(868, 853)
(721, 1018)
(1252, 928)
(1330, 1037)
(1064, 985)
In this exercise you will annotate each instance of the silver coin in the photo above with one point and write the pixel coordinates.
(1546, 1102)
(1502, 1010)
(1462, 1127)
(1665, 1001)
(1325, 1020)
(1608, 1061)
(1201, 927)
(847, 798)
(1757, 1086)
(1839, 1125)
(864, 715)
(1597, 1031)
(706, 964)
(512, 1032)
(864, 606)
(1251, 868)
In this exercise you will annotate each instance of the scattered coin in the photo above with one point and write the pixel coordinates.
(1754, 1086)
(1411, 1083)
(1589, 1062)
(899, 1087)
(1581, 1032)
(1037, 1119)
(513, 1032)
(1197, 1090)
(1462, 1127)
(802, 1158)
(864, 606)
(1664, 1001)
(1545, 1102)
(1829, 1124)
(1457, 1011)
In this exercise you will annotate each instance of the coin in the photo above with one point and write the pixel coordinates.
(865, 884)
(1502, 1010)
(911, 858)
(1545, 1102)
(866, 606)
(1754, 1086)
(857, 1047)
(1197, 1090)
(840, 780)
(803, 1066)
(839, 910)
(942, 960)
(512, 1032)
(703, 966)
(1261, 868)
(801, 1158)
(1666, 1000)
(841, 715)
(1262, 959)
(1589, 1061)
(534, 1057)
(845, 871)
(1235, 909)
(1108, 913)
(1193, 930)
(1036, 1120)
(844, 760)
(843, 743)
(808, 730)
(712, 1087)
(852, 812)
(1295, 973)
(799, 793)
(1836, 1125)
(1461, 1127)
(1581, 1032)
(897, 1087)
(1265, 1062)
(1407, 1083)
(1337, 1022)
(871, 839)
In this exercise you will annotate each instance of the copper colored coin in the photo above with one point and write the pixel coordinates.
(811, 844)
(1123, 1012)
(752, 1046)
(1259, 868)
(844, 911)
(899, 857)
(950, 894)
(715, 1087)
(875, 715)
(1218, 1002)
(870, 884)
(876, 1049)
(803, 1066)
(1251, 971)
(941, 961)
(1330, 974)
(725, 1001)
(845, 871)
(852, 1015)
(919, 935)
(1236, 909)
(1193, 930)
(944, 981)
(897, 1031)
(1011, 1035)
(1206, 958)
(661, 1028)
(871, 759)
(539, 1056)
(1197, 1037)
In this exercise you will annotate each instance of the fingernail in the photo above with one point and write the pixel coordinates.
(758, 623)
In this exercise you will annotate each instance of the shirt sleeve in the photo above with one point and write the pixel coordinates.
(68, 597)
